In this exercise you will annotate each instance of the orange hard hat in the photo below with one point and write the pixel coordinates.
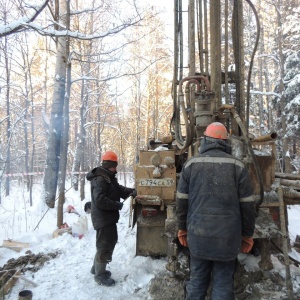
(109, 155)
(216, 130)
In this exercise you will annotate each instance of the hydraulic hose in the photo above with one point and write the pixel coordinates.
(251, 62)
(187, 110)
(235, 115)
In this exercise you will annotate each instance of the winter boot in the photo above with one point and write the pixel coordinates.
(108, 273)
(93, 270)
(102, 276)
(102, 279)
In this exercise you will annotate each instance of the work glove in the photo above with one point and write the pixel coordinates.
(247, 244)
(88, 207)
(120, 205)
(134, 193)
(182, 236)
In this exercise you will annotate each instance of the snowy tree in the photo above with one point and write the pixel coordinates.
(89, 22)
(292, 101)
(18, 15)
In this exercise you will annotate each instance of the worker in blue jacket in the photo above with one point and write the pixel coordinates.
(216, 215)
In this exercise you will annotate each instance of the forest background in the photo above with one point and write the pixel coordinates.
(82, 77)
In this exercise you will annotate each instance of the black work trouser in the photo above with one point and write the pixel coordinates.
(218, 274)
(106, 239)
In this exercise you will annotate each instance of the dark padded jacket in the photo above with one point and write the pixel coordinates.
(105, 197)
(215, 202)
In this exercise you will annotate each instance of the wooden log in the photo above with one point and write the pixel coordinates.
(291, 193)
(292, 183)
(285, 237)
(8, 279)
(13, 245)
(26, 279)
(287, 176)
(265, 263)
(61, 231)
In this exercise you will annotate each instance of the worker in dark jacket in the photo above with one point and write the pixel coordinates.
(105, 197)
(216, 215)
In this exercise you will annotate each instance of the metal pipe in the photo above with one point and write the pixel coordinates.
(226, 53)
(215, 52)
(207, 71)
(266, 138)
(195, 82)
(177, 56)
(197, 77)
(180, 142)
(200, 35)
(188, 113)
(180, 41)
(191, 38)
(238, 51)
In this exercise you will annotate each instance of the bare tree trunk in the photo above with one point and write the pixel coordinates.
(260, 87)
(267, 81)
(82, 139)
(8, 128)
(265, 73)
(65, 136)
(294, 147)
(98, 141)
(148, 116)
(26, 135)
(82, 176)
(56, 122)
(32, 142)
(27, 87)
(286, 166)
(122, 156)
(64, 155)
(76, 162)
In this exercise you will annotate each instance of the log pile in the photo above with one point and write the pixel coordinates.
(291, 187)
(7, 281)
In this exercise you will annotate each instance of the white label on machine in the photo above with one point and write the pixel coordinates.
(157, 182)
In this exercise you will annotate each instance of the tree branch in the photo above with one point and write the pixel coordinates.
(18, 25)
(78, 35)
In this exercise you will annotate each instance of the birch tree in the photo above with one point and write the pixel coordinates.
(56, 123)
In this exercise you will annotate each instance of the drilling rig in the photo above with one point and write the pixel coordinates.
(210, 83)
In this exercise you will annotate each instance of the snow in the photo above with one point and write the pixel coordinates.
(68, 276)
(33, 11)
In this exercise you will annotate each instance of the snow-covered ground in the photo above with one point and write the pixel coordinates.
(68, 275)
